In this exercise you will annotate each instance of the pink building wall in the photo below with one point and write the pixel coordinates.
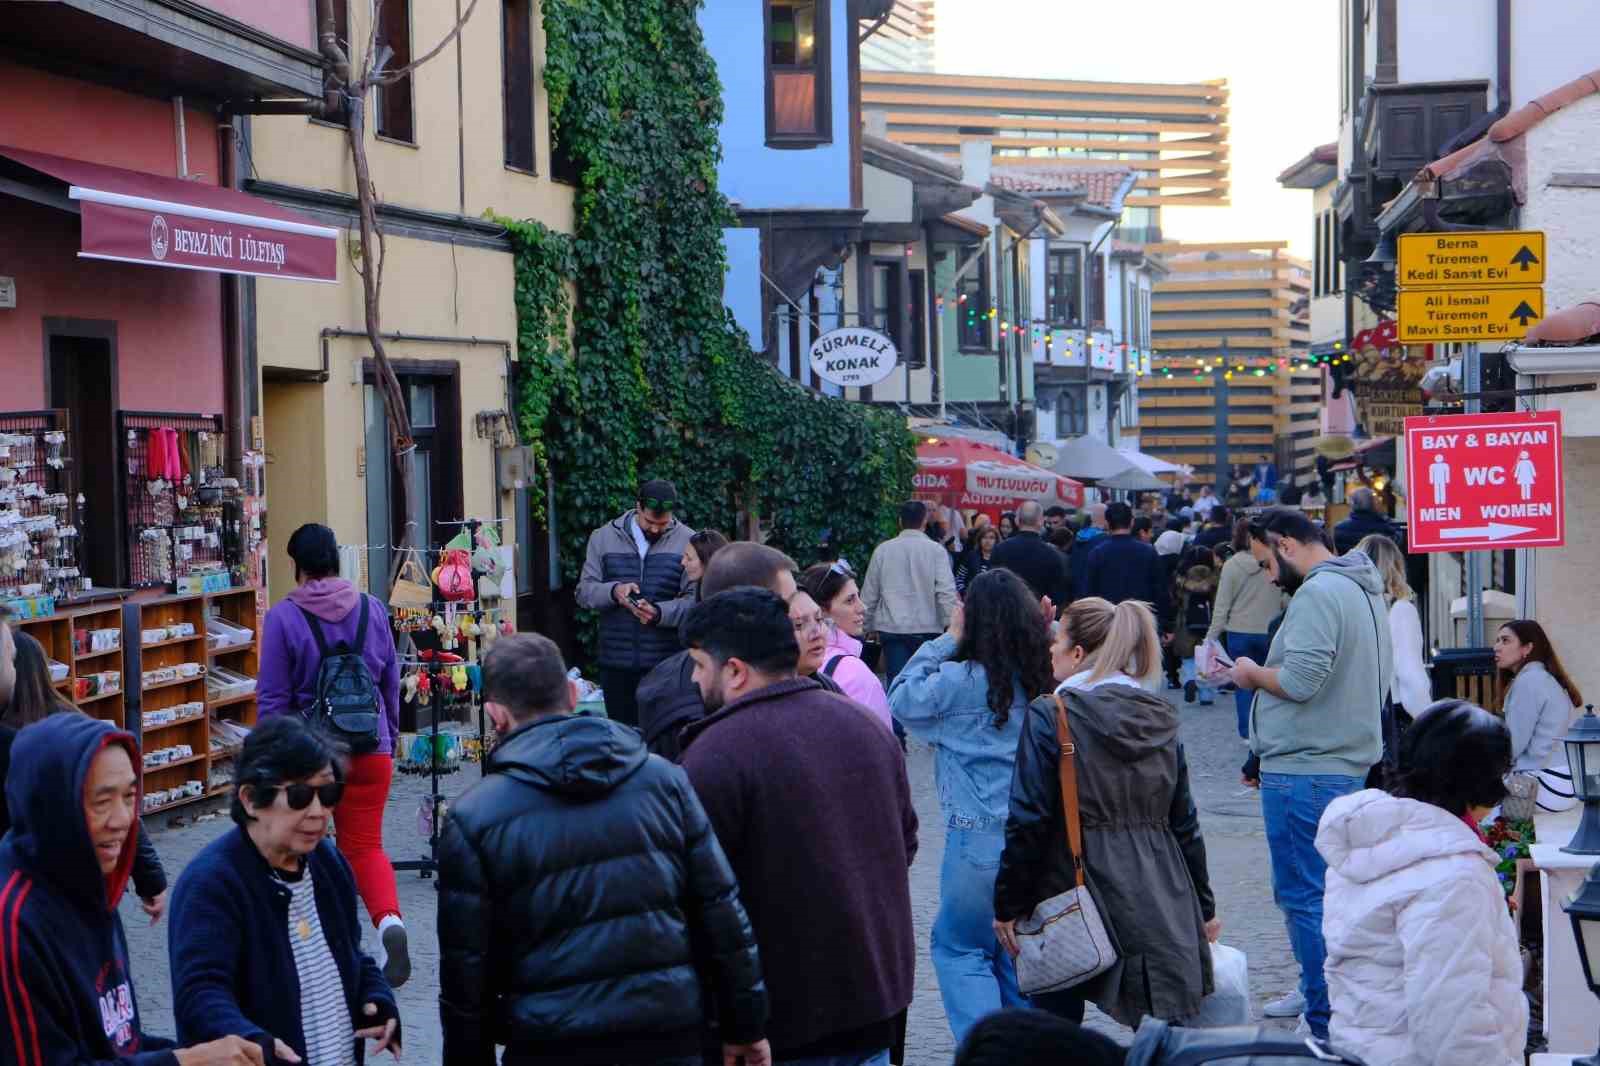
(287, 20)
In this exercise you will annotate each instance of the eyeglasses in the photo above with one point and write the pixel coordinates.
(806, 625)
(658, 506)
(299, 795)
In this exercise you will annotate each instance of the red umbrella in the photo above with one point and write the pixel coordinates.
(970, 476)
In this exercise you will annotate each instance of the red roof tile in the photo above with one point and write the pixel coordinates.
(1570, 325)
(1511, 127)
(1100, 186)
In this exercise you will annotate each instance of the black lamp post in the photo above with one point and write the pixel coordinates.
(1583, 760)
(1583, 906)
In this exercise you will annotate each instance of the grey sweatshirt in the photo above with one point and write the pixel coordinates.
(1538, 712)
(1333, 654)
(1247, 600)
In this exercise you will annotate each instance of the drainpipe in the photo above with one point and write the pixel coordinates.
(180, 131)
(235, 409)
(1502, 77)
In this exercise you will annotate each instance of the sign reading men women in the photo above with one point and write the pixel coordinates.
(1484, 481)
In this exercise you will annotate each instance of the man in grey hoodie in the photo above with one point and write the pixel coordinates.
(1316, 723)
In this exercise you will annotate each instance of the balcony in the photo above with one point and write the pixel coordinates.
(217, 49)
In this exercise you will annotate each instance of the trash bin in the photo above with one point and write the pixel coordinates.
(1467, 674)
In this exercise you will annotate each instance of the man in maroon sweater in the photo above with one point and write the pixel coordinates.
(810, 801)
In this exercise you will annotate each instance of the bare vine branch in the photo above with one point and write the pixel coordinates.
(389, 77)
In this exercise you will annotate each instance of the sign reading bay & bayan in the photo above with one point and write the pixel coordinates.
(853, 357)
(1484, 481)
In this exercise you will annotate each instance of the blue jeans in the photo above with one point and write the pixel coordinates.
(976, 976)
(1188, 672)
(1292, 805)
(898, 648)
(1253, 645)
(858, 1058)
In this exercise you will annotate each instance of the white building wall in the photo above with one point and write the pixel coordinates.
(1446, 40)
(1570, 218)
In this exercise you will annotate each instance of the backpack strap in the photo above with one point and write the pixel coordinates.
(316, 631)
(832, 664)
(361, 626)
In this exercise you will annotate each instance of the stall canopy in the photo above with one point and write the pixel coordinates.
(1151, 465)
(1090, 458)
(1132, 480)
(972, 476)
(133, 217)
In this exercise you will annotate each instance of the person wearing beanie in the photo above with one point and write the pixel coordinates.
(323, 612)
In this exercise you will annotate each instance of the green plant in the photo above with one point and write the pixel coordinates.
(654, 378)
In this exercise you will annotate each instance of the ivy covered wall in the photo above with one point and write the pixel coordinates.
(654, 379)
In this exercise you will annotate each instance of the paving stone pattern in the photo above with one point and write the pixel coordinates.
(1236, 846)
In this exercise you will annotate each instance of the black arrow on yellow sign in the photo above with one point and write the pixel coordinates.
(1523, 311)
(1525, 258)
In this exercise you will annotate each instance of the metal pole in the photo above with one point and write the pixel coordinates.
(1219, 377)
(1471, 384)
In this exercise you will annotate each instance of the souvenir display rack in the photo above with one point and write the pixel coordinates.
(233, 626)
(89, 642)
(185, 515)
(40, 512)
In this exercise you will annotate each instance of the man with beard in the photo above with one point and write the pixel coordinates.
(810, 801)
(633, 575)
(1316, 723)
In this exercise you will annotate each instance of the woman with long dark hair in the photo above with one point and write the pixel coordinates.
(1540, 702)
(1144, 858)
(33, 699)
(975, 560)
(697, 556)
(833, 586)
(966, 693)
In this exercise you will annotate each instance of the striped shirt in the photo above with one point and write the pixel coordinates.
(324, 1014)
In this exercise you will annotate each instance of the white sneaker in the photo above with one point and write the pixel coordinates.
(396, 961)
(1285, 1006)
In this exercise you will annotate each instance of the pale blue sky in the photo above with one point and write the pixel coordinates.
(1280, 58)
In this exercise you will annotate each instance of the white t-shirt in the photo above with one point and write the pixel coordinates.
(324, 1014)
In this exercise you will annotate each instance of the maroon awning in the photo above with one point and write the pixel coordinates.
(134, 217)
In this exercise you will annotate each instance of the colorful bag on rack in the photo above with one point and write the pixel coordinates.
(411, 587)
(454, 576)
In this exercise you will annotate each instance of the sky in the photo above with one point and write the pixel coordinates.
(1281, 59)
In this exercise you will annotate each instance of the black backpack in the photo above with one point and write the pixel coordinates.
(346, 705)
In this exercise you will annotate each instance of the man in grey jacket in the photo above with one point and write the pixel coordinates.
(1317, 719)
(633, 575)
(910, 591)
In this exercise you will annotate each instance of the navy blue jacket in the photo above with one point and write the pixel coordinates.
(233, 971)
(1087, 541)
(1123, 567)
(1044, 568)
(67, 991)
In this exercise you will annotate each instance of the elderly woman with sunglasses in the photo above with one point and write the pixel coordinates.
(266, 942)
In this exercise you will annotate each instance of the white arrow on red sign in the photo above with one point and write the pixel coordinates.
(1492, 531)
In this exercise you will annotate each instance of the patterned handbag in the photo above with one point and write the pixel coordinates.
(1064, 942)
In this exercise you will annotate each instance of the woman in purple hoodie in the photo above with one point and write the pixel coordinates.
(288, 685)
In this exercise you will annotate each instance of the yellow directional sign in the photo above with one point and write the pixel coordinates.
(1470, 260)
(1463, 315)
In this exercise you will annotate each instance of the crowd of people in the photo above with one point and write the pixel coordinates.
(717, 871)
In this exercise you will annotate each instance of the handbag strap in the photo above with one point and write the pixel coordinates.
(1067, 769)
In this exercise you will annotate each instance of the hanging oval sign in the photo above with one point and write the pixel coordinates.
(853, 357)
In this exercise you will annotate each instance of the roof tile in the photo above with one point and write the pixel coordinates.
(1098, 185)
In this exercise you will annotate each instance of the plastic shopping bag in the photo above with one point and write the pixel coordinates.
(1210, 661)
(1229, 1002)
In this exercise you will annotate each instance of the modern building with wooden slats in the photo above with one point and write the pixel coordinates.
(1236, 313)
(1174, 136)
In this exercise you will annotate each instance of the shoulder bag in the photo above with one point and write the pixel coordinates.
(1064, 942)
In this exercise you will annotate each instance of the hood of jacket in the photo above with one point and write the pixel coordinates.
(571, 754)
(329, 598)
(1357, 565)
(1371, 834)
(1200, 578)
(44, 793)
(1130, 721)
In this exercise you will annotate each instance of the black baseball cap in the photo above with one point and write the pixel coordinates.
(659, 495)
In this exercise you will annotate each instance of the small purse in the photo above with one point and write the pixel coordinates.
(1522, 794)
(1064, 942)
(411, 586)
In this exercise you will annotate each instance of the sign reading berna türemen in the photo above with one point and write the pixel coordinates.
(853, 357)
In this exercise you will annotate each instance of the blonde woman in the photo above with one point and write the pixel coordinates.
(1409, 687)
(1144, 857)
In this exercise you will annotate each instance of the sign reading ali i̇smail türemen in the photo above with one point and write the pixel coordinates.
(853, 356)
(1484, 481)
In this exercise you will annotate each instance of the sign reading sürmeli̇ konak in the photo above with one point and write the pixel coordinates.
(853, 357)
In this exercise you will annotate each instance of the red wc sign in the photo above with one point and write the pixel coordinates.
(1484, 481)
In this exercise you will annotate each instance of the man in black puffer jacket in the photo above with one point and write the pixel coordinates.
(584, 902)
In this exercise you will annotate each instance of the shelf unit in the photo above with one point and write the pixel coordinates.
(140, 615)
(241, 608)
(55, 632)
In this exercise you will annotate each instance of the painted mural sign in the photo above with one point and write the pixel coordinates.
(853, 357)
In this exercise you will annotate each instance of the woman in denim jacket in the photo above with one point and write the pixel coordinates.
(966, 694)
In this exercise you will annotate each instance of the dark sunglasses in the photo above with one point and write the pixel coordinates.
(659, 506)
(299, 796)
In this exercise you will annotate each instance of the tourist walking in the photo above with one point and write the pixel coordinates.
(966, 694)
(810, 632)
(1540, 702)
(1316, 723)
(1424, 967)
(1410, 690)
(1123, 567)
(1088, 537)
(977, 559)
(833, 585)
(1247, 602)
(1143, 855)
(697, 556)
(69, 992)
(1008, 525)
(573, 820)
(265, 941)
(1027, 555)
(323, 614)
(633, 575)
(1196, 595)
(810, 801)
(910, 591)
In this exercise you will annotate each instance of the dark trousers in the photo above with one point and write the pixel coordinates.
(622, 694)
(1068, 1003)
(898, 648)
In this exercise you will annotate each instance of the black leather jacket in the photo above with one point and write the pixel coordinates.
(585, 904)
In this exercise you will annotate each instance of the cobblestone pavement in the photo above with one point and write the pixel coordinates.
(1232, 823)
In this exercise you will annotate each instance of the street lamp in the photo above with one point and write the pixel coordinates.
(1584, 908)
(1583, 760)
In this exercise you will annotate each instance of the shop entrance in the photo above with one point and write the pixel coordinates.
(82, 371)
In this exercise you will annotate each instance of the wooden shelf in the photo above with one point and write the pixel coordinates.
(174, 764)
(233, 649)
(99, 696)
(95, 655)
(146, 730)
(172, 684)
(229, 701)
(65, 684)
(174, 804)
(174, 640)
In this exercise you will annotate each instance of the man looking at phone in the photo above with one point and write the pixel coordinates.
(633, 575)
(1316, 723)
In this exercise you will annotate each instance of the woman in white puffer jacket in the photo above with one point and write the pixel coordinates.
(1423, 966)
